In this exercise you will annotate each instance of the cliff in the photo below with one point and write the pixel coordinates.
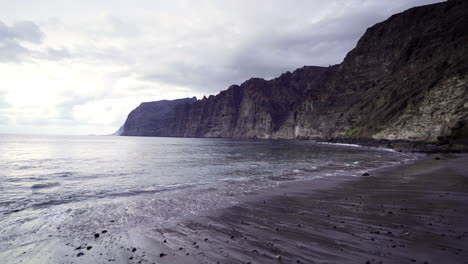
(406, 79)
(151, 118)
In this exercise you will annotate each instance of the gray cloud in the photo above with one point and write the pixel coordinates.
(10, 37)
(11, 49)
(268, 52)
(27, 31)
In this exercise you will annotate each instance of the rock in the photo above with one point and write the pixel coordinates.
(80, 254)
(104, 231)
(366, 174)
(150, 117)
(134, 249)
(162, 255)
(437, 158)
(96, 235)
(89, 247)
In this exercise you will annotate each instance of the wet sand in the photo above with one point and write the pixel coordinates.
(415, 213)
(410, 214)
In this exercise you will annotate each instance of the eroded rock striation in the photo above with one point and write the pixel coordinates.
(151, 118)
(406, 79)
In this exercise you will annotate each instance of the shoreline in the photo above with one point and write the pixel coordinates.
(400, 145)
(399, 213)
(416, 212)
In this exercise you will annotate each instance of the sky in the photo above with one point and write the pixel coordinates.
(79, 67)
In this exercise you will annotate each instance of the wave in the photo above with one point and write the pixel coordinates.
(45, 185)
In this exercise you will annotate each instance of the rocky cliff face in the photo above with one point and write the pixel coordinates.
(406, 79)
(151, 118)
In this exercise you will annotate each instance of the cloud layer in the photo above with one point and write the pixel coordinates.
(79, 69)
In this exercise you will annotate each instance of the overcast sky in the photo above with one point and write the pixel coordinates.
(79, 67)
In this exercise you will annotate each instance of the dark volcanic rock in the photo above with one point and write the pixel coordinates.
(406, 79)
(152, 118)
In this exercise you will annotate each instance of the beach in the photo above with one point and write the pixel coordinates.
(411, 213)
(416, 213)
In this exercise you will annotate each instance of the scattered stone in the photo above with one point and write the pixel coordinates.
(165, 241)
(134, 249)
(437, 158)
(89, 247)
(104, 231)
(96, 235)
(365, 174)
(206, 239)
(162, 255)
(78, 248)
(80, 254)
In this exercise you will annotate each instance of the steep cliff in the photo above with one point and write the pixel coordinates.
(406, 79)
(151, 118)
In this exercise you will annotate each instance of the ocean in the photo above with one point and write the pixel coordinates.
(60, 187)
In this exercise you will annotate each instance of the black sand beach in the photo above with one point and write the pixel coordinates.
(415, 213)
(410, 214)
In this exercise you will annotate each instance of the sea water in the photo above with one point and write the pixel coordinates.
(56, 187)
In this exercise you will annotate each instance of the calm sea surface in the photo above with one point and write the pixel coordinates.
(73, 183)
